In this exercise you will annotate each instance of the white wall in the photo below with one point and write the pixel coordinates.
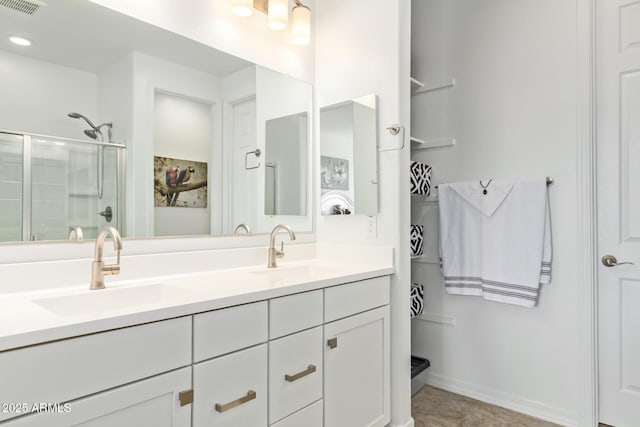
(362, 47)
(513, 113)
(212, 23)
(115, 98)
(42, 94)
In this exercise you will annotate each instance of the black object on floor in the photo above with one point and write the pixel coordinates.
(418, 364)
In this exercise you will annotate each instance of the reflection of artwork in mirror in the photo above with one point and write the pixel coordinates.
(179, 183)
(334, 173)
(147, 92)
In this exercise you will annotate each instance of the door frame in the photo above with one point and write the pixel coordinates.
(587, 213)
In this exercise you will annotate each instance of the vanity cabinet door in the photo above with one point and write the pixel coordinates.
(231, 391)
(356, 371)
(151, 402)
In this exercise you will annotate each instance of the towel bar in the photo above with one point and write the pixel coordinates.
(549, 182)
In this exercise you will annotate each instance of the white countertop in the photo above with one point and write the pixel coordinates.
(46, 315)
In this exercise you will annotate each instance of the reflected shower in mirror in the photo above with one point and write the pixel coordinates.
(286, 165)
(348, 157)
(193, 121)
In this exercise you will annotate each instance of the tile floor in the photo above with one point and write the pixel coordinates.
(432, 407)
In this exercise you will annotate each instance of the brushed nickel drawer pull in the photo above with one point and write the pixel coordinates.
(332, 343)
(291, 378)
(250, 396)
(185, 397)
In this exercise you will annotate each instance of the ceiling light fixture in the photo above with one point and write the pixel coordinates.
(21, 41)
(277, 12)
(301, 24)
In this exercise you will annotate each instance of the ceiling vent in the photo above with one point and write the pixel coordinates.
(25, 6)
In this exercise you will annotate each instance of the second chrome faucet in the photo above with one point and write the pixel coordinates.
(273, 252)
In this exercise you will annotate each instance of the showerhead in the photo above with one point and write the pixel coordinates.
(80, 116)
(91, 133)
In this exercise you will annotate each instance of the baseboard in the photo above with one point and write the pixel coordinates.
(498, 398)
(408, 424)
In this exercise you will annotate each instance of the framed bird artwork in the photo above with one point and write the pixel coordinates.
(179, 183)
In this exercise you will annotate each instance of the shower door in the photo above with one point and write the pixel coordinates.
(11, 172)
(49, 185)
(73, 185)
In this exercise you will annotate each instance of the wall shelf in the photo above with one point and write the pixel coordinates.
(420, 144)
(423, 259)
(417, 83)
(431, 87)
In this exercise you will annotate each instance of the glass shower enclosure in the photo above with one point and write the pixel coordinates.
(50, 185)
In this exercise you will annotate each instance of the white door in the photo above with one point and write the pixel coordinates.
(356, 370)
(244, 189)
(618, 136)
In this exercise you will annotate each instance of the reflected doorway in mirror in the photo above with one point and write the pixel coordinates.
(179, 183)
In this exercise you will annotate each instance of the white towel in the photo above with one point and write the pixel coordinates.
(496, 245)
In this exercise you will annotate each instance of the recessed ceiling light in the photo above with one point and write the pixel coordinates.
(20, 41)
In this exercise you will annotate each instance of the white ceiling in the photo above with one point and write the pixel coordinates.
(83, 35)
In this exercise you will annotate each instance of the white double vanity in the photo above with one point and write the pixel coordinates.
(303, 344)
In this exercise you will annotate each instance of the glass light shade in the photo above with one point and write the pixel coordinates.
(278, 14)
(242, 7)
(301, 25)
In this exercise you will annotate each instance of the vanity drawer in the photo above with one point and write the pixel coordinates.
(311, 416)
(295, 313)
(231, 391)
(65, 370)
(295, 372)
(222, 331)
(345, 300)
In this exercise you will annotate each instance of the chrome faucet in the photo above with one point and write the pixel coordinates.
(244, 227)
(273, 252)
(98, 268)
(75, 233)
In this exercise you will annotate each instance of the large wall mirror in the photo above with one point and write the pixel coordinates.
(106, 120)
(348, 157)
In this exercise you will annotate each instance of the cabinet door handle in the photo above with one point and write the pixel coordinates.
(244, 399)
(185, 397)
(332, 343)
(291, 378)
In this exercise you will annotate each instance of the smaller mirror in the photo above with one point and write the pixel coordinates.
(286, 165)
(348, 157)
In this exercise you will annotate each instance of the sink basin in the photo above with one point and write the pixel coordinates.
(296, 272)
(110, 299)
